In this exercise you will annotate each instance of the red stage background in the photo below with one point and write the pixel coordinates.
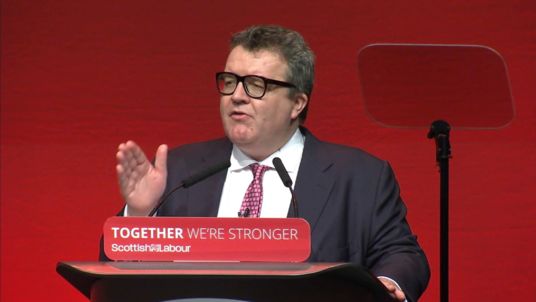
(79, 77)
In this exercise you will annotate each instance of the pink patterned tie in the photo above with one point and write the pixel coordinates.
(252, 203)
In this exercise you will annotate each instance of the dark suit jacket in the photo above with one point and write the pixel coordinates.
(350, 199)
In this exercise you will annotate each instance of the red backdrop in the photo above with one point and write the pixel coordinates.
(79, 77)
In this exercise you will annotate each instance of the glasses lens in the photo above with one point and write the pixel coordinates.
(255, 86)
(226, 83)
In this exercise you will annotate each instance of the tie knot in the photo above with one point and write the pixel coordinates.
(258, 170)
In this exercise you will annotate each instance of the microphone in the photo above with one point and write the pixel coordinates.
(285, 178)
(192, 180)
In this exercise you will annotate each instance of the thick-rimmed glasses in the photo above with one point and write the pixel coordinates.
(255, 86)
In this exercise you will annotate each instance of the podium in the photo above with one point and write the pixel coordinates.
(243, 281)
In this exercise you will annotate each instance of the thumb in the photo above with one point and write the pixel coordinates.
(161, 159)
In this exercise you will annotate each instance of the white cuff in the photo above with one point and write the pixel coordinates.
(125, 211)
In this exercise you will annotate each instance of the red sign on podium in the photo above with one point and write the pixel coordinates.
(207, 239)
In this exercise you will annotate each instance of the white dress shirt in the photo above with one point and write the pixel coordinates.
(276, 197)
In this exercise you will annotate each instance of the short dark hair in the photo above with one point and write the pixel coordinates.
(291, 46)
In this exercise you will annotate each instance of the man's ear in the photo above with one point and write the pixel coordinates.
(300, 102)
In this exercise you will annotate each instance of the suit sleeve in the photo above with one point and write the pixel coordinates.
(393, 250)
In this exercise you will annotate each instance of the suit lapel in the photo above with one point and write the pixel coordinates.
(315, 179)
(204, 200)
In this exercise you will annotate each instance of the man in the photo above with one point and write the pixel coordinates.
(350, 198)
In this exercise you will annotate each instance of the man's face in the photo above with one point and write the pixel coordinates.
(259, 126)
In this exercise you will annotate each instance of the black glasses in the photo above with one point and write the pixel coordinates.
(255, 86)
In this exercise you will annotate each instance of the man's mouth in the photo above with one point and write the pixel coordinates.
(238, 115)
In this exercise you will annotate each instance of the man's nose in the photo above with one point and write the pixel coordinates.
(240, 95)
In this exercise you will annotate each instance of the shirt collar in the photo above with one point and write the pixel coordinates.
(290, 154)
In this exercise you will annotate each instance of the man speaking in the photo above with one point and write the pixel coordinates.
(350, 198)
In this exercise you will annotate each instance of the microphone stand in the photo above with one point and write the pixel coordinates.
(440, 131)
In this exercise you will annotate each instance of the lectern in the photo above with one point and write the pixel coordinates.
(247, 281)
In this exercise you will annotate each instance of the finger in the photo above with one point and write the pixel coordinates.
(122, 180)
(121, 147)
(126, 166)
(399, 295)
(130, 153)
(136, 153)
(161, 158)
(391, 288)
(121, 164)
(134, 160)
(121, 158)
(125, 162)
(121, 177)
(388, 284)
(124, 153)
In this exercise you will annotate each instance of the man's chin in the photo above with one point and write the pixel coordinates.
(240, 141)
(240, 136)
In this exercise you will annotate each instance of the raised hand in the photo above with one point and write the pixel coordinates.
(141, 183)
